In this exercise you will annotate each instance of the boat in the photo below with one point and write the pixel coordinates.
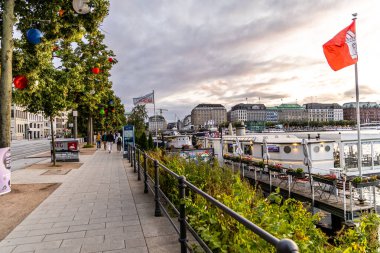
(282, 148)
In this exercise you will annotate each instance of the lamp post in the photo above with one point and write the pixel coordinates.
(75, 115)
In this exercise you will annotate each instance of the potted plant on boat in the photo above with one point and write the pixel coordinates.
(326, 179)
(276, 168)
(299, 173)
(360, 182)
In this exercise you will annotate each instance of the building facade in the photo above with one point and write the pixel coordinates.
(271, 114)
(157, 122)
(248, 112)
(208, 114)
(26, 125)
(291, 112)
(186, 125)
(324, 112)
(369, 112)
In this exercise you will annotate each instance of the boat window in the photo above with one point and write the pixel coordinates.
(287, 149)
(316, 149)
(327, 148)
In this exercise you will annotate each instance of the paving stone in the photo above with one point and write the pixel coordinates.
(48, 231)
(75, 249)
(62, 236)
(7, 249)
(21, 240)
(122, 223)
(105, 246)
(106, 219)
(37, 246)
(87, 227)
(107, 231)
(132, 250)
(71, 223)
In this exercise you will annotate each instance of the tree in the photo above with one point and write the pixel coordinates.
(137, 118)
(150, 142)
(5, 87)
(143, 142)
(50, 88)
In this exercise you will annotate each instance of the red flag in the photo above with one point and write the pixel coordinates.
(341, 50)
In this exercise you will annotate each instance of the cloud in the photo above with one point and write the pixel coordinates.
(219, 51)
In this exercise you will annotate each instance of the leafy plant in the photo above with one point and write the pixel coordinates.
(282, 218)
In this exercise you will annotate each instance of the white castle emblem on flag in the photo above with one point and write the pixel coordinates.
(351, 43)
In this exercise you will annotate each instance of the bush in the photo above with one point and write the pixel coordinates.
(282, 218)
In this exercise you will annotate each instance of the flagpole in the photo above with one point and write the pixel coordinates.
(155, 118)
(358, 119)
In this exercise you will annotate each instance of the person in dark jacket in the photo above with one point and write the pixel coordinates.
(110, 141)
(118, 142)
(104, 139)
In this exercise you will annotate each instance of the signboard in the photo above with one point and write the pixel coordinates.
(5, 170)
(273, 148)
(128, 138)
(203, 154)
(66, 150)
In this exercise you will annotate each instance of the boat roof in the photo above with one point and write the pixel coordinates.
(273, 139)
(343, 136)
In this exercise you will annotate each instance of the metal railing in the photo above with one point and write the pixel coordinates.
(134, 153)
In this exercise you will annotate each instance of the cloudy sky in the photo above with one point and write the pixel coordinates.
(229, 52)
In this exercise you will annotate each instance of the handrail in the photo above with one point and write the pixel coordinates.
(282, 246)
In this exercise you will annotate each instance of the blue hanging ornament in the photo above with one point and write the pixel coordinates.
(34, 36)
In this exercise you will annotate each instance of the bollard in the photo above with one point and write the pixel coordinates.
(145, 174)
(138, 165)
(182, 214)
(157, 211)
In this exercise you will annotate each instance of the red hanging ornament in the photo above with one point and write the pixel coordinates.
(110, 59)
(20, 82)
(95, 70)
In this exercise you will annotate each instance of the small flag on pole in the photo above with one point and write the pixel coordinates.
(147, 99)
(341, 50)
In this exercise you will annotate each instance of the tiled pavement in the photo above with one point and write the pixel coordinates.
(99, 207)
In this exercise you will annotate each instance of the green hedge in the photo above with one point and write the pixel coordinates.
(282, 218)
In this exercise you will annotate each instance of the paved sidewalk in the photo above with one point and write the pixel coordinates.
(99, 207)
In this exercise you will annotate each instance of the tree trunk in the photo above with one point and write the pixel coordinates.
(90, 133)
(6, 74)
(52, 139)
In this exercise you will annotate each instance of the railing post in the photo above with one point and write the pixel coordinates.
(182, 214)
(138, 165)
(129, 153)
(287, 246)
(157, 211)
(134, 159)
(145, 173)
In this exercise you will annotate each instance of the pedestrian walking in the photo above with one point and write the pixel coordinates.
(110, 141)
(104, 139)
(98, 141)
(118, 142)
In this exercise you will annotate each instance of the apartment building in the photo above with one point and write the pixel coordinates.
(369, 111)
(324, 112)
(206, 114)
(157, 122)
(248, 112)
(291, 112)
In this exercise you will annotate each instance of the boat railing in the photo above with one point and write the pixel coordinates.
(331, 187)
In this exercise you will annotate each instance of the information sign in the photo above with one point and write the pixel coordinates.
(128, 138)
